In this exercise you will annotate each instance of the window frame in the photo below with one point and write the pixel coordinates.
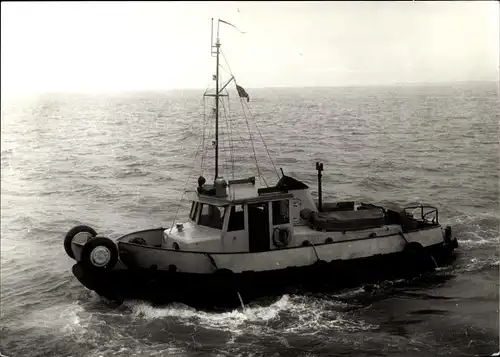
(222, 212)
(229, 208)
(192, 212)
(282, 220)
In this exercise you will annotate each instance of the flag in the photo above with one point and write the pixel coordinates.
(242, 93)
(227, 23)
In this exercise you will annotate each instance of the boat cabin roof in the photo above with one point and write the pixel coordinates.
(240, 193)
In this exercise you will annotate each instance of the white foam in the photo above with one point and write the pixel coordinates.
(476, 264)
(229, 321)
(351, 293)
(303, 314)
(466, 219)
(480, 241)
(314, 316)
(139, 350)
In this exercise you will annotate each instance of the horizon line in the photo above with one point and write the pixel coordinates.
(5, 92)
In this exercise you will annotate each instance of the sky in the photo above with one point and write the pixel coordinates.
(108, 46)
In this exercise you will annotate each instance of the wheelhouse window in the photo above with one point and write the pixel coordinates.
(194, 211)
(280, 212)
(236, 219)
(211, 216)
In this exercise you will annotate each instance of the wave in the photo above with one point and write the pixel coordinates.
(88, 171)
(302, 315)
(131, 173)
(478, 265)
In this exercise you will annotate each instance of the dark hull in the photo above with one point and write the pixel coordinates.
(220, 290)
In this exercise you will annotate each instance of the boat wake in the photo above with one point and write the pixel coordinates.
(289, 315)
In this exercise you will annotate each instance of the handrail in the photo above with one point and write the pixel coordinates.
(422, 206)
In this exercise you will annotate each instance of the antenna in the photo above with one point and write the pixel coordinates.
(212, 37)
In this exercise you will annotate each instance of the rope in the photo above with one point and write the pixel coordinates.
(249, 132)
(231, 144)
(185, 185)
(251, 140)
(225, 70)
(206, 147)
(225, 60)
(402, 235)
(315, 252)
(225, 145)
(211, 260)
(204, 129)
(260, 134)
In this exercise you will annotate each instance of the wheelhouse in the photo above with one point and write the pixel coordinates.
(246, 219)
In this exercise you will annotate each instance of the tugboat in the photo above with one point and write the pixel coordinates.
(243, 241)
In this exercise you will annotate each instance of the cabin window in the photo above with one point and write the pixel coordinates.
(236, 219)
(211, 216)
(280, 212)
(192, 214)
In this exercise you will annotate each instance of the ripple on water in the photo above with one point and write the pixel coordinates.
(66, 164)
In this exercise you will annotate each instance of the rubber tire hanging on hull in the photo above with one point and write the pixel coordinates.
(94, 243)
(417, 258)
(72, 233)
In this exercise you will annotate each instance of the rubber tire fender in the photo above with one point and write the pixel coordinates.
(68, 239)
(418, 257)
(281, 237)
(94, 243)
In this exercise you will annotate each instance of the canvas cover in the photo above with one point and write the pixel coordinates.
(347, 220)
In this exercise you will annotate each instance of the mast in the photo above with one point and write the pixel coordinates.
(217, 94)
(217, 46)
(215, 51)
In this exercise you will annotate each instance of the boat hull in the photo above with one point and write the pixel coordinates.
(220, 289)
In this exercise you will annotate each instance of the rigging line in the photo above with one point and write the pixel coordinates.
(260, 134)
(207, 88)
(228, 155)
(241, 139)
(229, 132)
(229, 128)
(225, 70)
(251, 140)
(184, 189)
(204, 129)
(221, 142)
(227, 62)
(200, 150)
(223, 147)
(205, 148)
(255, 158)
(243, 148)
